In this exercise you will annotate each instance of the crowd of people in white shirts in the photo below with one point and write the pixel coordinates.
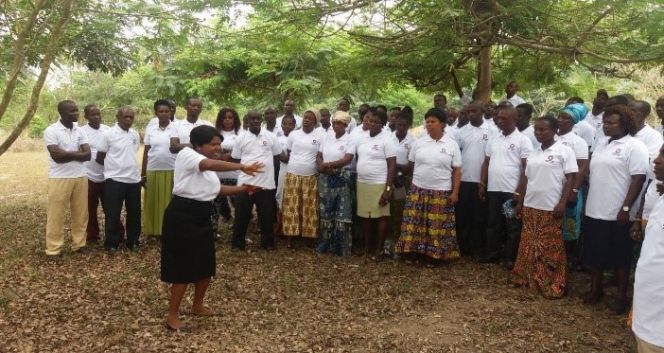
(484, 181)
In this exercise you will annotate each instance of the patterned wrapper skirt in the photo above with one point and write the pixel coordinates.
(336, 213)
(300, 206)
(541, 264)
(187, 244)
(428, 226)
(158, 193)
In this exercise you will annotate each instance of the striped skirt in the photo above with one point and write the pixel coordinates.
(158, 193)
(300, 206)
(541, 264)
(428, 226)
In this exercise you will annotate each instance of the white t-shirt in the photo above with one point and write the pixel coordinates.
(403, 147)
(492, 126)
(121, 163)
(434, 161)
(230, 137)
(472, 142)
(372, 153)
(515, 100)
(546, 171)
(653, 141)
(95, 170)
(648, 302)
(596, 121)
(192, 183)
(576, 143)
(303, 149)
(611, 169)
(651, 198)
(250, 148)
(334, 149)
(321, 130)
(183, 129)
(159, 155)
(505, 164)
(298, 121)
(586, 131)
(69, 140)
(530, 133)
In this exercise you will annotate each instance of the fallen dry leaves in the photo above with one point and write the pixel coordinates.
(282, 301)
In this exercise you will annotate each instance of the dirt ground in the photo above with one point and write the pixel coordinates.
(281, 301)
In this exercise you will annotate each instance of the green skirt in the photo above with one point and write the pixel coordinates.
(158, 194)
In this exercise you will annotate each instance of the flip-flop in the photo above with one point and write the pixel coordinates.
(183, 329)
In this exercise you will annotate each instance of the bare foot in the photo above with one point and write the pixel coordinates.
(202, 311)
(174, 324)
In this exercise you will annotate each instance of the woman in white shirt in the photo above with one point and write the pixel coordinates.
(300, 199)
(550, 174)
(429, 226)
(376, 167)
(404, 142)
(187, 245)
(568, 118)
(336, 213)
(228, 124)
(157, 168)
(617, 171)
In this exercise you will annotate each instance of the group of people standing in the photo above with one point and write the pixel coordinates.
(480, 182)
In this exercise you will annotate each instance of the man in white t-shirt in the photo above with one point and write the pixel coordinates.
(256, 145)
(289, 109)
(503, 180)
(511, 96)
(180, 135)
(525, 113)
(122, 175)
(68, 149)
(94, 130)
(648, 302)
(470, 210)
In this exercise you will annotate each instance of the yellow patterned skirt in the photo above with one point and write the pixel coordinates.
(429, 225)
(300, 206)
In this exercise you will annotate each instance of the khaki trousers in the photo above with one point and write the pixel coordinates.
(63, 194)
(645, 347)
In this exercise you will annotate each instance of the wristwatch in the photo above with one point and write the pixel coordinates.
(388, 188)
(575, 191)
(625, 208)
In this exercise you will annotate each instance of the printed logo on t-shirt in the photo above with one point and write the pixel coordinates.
(375, 147)
(485, 137)
(512, 146)
(549, 159)
(617, 152)
(264, 143)
(315, 142)
(342, 148)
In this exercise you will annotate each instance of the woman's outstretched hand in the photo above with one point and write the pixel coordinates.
(253, 168)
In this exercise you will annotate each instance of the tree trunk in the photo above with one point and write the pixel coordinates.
(483, 90)
(52, 47)
(19, 56)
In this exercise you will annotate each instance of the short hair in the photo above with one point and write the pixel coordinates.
(63, 104)
(395, 109)
(478, 103)
(219, 123)
(123, 109)
(290, 117)
(191, 99)
(627, 117)
(574, 99)
(321, 110)
(380, 106)
(642, 107)
(381, 115)
(202, 135)
(617, 100)
(437, 113)
(553, 122)
(408, 110)
(160, 102)
(405, 115)
(602, 92)
(527, 107)
(88, 108)
(440, 95)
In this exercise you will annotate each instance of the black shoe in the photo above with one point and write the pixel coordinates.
(488, 260)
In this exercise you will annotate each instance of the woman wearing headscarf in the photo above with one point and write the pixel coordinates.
(618, 169)
(550, 174)
(336, 213)
(187, 244)
(568, 117)
(300, 199)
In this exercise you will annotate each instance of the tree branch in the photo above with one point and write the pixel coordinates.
(49, 56)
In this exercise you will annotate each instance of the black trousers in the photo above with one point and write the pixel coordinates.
(117, 194)
(265, 208)
(471, 216)
(502, 234)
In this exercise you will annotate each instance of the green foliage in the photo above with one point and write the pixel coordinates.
(37, 126)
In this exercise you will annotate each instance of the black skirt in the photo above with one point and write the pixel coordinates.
(187, 241)
(607, 244)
